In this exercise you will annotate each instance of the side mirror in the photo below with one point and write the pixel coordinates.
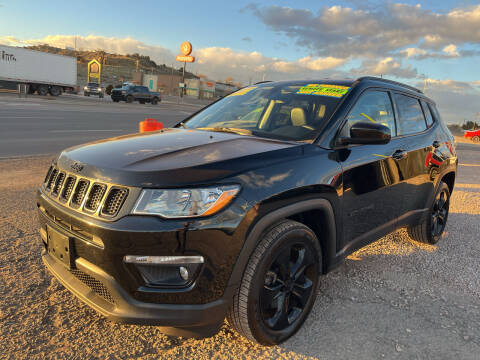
(364, 132)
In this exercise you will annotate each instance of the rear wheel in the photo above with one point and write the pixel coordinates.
(476, 139)
(431, 229)
(141, 101)
(42, 90)
(279, 284)
(56, 90)
(115, 100)
(154, 101)
(129, 99)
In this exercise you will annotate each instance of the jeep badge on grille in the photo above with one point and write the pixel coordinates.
(76, 166)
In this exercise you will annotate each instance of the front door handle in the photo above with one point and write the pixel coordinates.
(436, 144)
(400, 154)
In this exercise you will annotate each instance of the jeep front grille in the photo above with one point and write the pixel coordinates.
(95, 196)
(83, 194)
(58, 183)
(68, 188)
(51, 179)
(114, 201)
(80, 192)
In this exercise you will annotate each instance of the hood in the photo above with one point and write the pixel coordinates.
(174, 157)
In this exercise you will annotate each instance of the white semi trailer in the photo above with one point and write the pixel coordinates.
(41, 72)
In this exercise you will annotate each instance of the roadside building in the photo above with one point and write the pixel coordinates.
(200, 88)
(223, 89)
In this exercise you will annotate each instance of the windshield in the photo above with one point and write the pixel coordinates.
(282, 111)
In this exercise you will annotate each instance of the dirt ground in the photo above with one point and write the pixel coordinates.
(392, 299)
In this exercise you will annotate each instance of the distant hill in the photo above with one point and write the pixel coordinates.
(116, 67)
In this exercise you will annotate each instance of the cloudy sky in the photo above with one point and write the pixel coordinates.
(435, 44)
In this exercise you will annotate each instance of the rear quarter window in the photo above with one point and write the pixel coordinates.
(411, 119)
(428, 114)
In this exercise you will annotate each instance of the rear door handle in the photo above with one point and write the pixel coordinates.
(436, 144)
(400, 154)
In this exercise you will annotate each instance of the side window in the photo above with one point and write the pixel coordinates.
(428, 114)
(411, 115)
(434, 111)
(374, 106)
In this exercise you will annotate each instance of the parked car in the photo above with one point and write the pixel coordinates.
(131, 93)
(473, 135)
(93, 89)
(237, 210)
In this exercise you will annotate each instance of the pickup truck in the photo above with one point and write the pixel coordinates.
(474, 135)
(131, 93)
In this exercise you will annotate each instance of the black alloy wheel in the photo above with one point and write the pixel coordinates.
(288, 287)
(431, 228)
(279, 284)
(476, 139)
(440, 213)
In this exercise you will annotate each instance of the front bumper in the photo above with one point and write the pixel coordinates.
(102, 280)
(101, 292)
(118, 97)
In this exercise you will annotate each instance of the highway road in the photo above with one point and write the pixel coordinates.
(35, 126)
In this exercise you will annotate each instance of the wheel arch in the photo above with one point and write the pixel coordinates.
(449, 179)
(306, 210)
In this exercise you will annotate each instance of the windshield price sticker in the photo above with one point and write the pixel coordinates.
(324, 90)
(243, 91)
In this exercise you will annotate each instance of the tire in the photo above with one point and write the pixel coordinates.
(85, 94)
(141, 101)
(100, 96)
(56, 91)
(42, 90)
(115, 100)
(430, 230)
(129, 99)
(476, 139)
(268, 274)
(154, 101)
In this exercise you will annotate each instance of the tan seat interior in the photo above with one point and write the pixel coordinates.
(298, 117)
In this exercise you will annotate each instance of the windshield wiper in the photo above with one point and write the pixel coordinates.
(227, 130)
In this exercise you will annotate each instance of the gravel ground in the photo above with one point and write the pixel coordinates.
(392, 299)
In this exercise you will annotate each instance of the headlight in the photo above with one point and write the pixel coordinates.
(99, 89)
(178, 203)
(85, 88)
(124, 92)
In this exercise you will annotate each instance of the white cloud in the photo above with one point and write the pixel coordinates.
(413, 52)
(387, 67)
(367, 31)
(451, 50)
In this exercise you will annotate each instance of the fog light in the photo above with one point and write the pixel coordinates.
(184, 273)
(167, 271)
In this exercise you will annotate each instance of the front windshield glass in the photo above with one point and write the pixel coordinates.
(283, 111)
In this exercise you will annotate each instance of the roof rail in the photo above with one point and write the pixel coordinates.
(262, 82)
(374, 78)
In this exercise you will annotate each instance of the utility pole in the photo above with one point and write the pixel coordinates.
(183, 78)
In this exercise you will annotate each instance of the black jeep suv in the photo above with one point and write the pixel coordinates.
(236, 211)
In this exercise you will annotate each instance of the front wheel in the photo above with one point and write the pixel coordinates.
(476, 139)
(129, 99)
(430, 230)
(154, 101)
(279, 284)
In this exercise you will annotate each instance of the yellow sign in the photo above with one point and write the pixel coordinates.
(94, 69)
(186, 48)
(243, 91)
(185, 58)
(324, 90)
